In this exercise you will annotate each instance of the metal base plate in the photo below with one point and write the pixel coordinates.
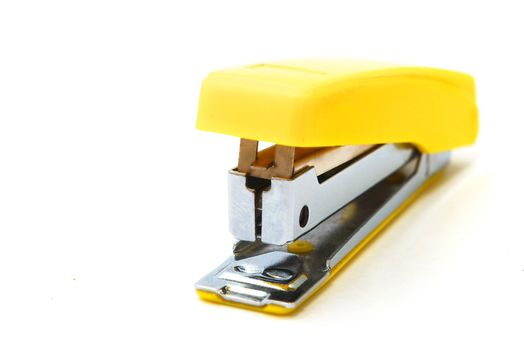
(277, 279)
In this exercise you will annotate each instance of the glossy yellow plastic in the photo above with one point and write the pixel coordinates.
(316, 103)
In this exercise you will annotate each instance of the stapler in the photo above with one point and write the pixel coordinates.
(353, 142)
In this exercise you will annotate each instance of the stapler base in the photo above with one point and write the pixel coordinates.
(278, 278)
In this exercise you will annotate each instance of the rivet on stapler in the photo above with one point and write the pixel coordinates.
(353, 143)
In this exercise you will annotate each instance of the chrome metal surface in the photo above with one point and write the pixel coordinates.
(241, 209)
(260, 274)
(283, 200)
(282, 203)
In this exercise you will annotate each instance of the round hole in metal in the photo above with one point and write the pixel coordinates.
(303, 216)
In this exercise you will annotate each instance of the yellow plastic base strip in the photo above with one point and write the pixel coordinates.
(280, 310)
(269, 309)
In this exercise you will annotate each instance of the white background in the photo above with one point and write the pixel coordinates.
(112, 205)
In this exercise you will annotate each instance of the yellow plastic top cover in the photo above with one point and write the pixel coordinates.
(317, 103)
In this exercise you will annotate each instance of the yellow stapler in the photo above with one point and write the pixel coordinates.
(354, 141)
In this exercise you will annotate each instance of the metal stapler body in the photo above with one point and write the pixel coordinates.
(354, 141)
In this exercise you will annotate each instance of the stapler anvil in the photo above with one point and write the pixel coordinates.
(353, 143)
